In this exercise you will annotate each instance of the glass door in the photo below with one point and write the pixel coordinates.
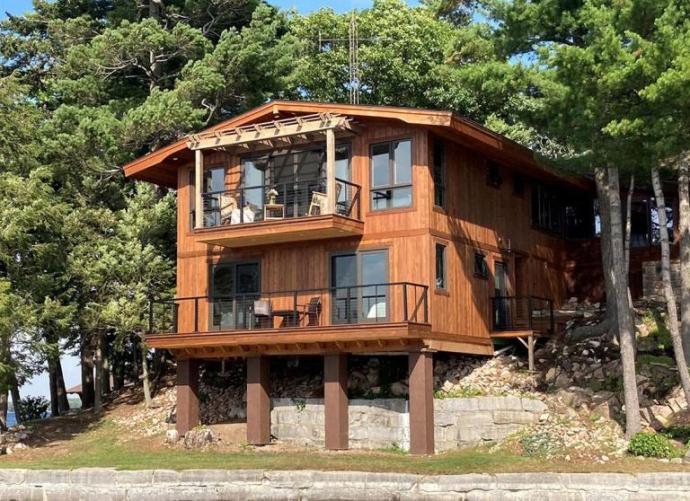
(234, 287)
(501, 301)
(360, 289)
(214, 185)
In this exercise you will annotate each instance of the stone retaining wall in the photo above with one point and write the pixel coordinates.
(166, 485)
(383, 423)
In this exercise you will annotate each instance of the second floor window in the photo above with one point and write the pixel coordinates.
(391, 175)
(440, 266)
(439, 174)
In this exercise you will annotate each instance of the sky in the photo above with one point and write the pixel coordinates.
(70, 365)
(17, 7)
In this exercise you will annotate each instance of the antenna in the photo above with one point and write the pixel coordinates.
(354, 61)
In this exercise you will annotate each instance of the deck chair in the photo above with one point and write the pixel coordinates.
(228, 209)
(313, 311)
(263, 313)
(319, 201)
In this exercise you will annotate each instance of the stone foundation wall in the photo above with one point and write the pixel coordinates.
(383, 423)
(250, 485)
(652, 287)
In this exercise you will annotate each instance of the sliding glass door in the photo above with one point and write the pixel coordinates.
(359, 287)
(234, 287)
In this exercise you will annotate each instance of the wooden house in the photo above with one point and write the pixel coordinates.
(331, 229)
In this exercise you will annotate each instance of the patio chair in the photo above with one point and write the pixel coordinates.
(313, 311)
(228, 209)
(263, 313)
(319, 201)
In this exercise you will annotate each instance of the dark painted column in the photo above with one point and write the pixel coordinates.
(258, 401)
(335, 401)
(421, 366)
(187, 395)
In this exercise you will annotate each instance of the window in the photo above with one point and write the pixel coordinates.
(547, 209)
(644, 222)
(360, 287)
(440, 266)
(212, 188)
(518, 185)
(493, 176)
(439, 172)
(391, 175)
(233, 287)
(481, 269)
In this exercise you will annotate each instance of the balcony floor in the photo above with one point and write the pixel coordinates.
(354, 338)
(281, 231)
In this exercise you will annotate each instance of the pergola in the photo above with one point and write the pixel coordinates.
(283, 133)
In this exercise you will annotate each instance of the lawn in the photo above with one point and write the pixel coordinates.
(101, 443)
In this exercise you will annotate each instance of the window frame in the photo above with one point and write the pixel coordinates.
(439, 174)
(392, 185)
(444, 266)
(484, 273)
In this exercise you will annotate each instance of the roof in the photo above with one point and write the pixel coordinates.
(160, 166)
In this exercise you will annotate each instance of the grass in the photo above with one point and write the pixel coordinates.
(102, 445)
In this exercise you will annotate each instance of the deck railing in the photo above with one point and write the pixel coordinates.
(521, 313)
(306, 308)
(278, 201)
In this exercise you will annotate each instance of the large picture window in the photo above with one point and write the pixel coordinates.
(391, 175)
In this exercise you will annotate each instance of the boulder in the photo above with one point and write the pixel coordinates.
(171, 436)
(399, 389)
(198, 438)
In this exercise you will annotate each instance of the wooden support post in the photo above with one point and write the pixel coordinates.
(187, 395)
(421, 367)
(198, 187)
(330, 170)
(335, 401)
(258, 401)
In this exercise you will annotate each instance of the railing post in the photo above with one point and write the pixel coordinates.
(426, 304)
(196, 314)
(348, 313)
(294, 310)
(176, 307)
(405, 303)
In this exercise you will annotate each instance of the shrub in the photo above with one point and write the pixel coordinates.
(31, 408)
(652, 445)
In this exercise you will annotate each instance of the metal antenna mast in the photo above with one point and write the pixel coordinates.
(354, 61)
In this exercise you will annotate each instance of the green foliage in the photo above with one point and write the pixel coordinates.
(536, 444)
(32, 408)
(679, 432)
(652, 445)
(458, 393)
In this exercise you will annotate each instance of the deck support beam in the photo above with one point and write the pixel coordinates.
(198, 187)
(330, 170)
(258, 401)
(421, 367)
(335, 401)
(187, 416)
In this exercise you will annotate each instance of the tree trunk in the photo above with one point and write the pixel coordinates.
(87, 389)
(98, 379)
(628, 224)
(3, 408)
(669, 294)
(52, 384)
(626, 328)
(145, 378)
(607, 263)
(63, 402)
(684, 228)
(14, 390)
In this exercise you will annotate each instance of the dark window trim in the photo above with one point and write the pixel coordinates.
(444, 266)
(440, 185)
(493, 175)
(484, 275)
(391, 174)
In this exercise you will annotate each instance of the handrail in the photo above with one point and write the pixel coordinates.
(364, 303)
(518, 313)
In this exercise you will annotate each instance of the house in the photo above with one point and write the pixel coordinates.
(330, 229)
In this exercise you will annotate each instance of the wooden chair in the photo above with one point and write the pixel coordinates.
(313, 311)
(228, 208)
(319, 201)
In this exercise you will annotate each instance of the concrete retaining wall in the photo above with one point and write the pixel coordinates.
(166, 485)
(383, 423)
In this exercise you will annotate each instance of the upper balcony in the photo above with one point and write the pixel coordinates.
(280, 212)
(289, 182)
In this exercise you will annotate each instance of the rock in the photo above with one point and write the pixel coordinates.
(550, 375)
(171, 436)
(660, 415)
(563, 381)
(399, 389)
(198, 438)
